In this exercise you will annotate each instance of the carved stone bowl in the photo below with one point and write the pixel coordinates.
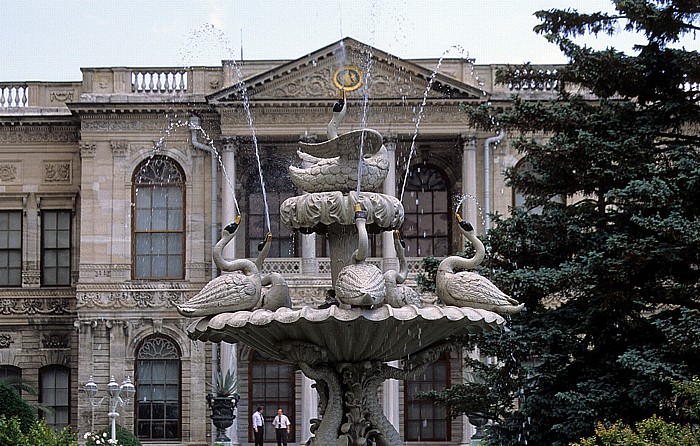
(314, 212)
(346, 335)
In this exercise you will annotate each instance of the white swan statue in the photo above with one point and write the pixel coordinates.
(360, 283)
(239, 290)
(398, 295)
(467, 288)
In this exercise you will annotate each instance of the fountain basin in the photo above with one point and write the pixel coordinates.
(314, 212)
(383, 333)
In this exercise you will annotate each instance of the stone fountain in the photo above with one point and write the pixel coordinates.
(346, 346)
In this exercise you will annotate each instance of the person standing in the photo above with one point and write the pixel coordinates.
(258, 426)
(282, 427)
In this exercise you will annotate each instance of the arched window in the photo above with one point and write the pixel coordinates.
(158, 220)
(426, 203)
(54, 393)
(158, 390)
(271, 387)
(423, 419)
(12, 375)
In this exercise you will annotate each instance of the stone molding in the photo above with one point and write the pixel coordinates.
(87, 149)
(35, 133)
(35, 305)
(120, 148)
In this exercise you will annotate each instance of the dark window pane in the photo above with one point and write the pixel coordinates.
(10, 248)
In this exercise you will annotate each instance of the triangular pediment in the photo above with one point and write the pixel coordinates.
(357, 67)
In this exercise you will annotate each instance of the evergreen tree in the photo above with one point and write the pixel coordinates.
(610, 267)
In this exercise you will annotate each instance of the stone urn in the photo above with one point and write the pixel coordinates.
(222, 413)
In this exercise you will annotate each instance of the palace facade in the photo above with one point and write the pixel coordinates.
(113, 190)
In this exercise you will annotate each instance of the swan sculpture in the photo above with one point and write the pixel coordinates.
(340, 109)
(467, 288)
(398, 295)
(360, 283)
(242, 288)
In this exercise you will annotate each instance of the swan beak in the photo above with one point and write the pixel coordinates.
(464, 224)
(359, 213)
(397, 236)
(338, 107)
(262, 244)
(232, 227)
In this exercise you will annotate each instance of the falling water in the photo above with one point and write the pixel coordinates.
(421, 110)
(223, 40)
(363, 121)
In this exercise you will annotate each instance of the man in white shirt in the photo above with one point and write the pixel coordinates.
(282, 427)
(258, 426)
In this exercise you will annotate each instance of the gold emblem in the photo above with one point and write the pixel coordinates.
(347, 78)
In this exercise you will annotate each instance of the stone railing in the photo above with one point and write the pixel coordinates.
(172, 80)
(14, 95)
(290, 266)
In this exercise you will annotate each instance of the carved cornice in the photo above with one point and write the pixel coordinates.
(38, 133)
(132, 299)
(33, 306)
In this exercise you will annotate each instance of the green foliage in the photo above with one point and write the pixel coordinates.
(650, 432)
(611, 281)
(124, 437)
(12, 405)
(38, 434)
(224, 384)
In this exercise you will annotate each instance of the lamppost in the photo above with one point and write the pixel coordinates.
(114, 392)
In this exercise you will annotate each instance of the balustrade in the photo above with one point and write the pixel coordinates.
(159, 81)
(14, 95)
(292, 265)
(535, 79)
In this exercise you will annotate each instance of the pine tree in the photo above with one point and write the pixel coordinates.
(610, 267)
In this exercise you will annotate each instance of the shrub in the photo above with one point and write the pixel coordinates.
(12, 405)
(38, 434)
(124, 437)
(650, 432)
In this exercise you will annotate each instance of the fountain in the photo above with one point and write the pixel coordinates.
(344, 347)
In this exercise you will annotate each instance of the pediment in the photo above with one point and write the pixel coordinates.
(311, 78)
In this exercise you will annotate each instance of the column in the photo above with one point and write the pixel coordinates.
(309, 408)
(389, 260)
(309, 263)
(229, 210)
(469, 209)
(390, 399)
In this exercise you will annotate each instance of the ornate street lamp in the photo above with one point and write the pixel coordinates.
(119, 395)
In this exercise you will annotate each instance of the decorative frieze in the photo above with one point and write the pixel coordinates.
(33, 134)
(57, 172)
(109, 125)
(61, 96)
(34, 305)
(131, 299)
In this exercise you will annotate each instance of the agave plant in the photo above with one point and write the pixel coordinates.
(224, 385)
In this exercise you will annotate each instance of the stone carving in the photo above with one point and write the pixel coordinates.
(87, 150)
(107, 125)
(120, 148)
(130, 299)
(57, 172)
(61, 96)
(397, 294)
(6, 340)
(55, 341)
(467, 288)
(340, 172)
(32, 134)
(242, 289)
(8, 172)
(34, 306)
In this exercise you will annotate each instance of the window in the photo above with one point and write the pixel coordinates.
(158, 220)
(54, 393)
(425, 420)
(158, 390)
(426, 227)
(271, 387)
(10, 248)
(11, 375)
(282, 238)
(55, 248)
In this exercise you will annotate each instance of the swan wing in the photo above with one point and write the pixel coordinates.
(224, 294)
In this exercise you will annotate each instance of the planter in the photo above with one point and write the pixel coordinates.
(222, 413)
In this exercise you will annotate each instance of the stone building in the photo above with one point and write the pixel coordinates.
(113, 190)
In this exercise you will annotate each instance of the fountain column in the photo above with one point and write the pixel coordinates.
(229, 352)
(309, 408)
(309, 263)
(469, 177)
(390, 398)
(389, 260)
